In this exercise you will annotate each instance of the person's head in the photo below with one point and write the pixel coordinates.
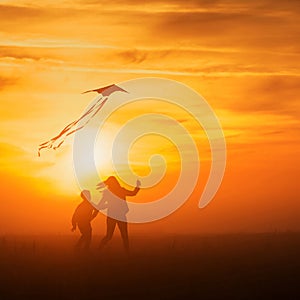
(85, 195)
(112, 182)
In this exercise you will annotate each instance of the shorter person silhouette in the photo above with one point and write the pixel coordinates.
(82, 217)
(114, 199)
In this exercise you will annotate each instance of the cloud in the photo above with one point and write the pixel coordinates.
(277, 94)
(192, 5)
(7, 81)
(185, 62)
(17, 13)
(259, 94)
(133, 56)
(10, 12)
(263, 25)
(236, 28)
(216, 41)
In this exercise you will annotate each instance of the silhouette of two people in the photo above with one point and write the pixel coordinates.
(114, 199)
(82, 217)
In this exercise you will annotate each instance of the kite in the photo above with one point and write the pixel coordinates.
(107, 90)
(58, 140)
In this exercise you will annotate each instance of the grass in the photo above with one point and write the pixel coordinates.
(240, 266)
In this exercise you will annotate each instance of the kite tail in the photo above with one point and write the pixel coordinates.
(58, 140)
(87, 121)
(52, 144)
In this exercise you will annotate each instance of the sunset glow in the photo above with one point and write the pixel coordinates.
(241, 56)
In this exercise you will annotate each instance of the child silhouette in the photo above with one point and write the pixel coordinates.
(82, 217)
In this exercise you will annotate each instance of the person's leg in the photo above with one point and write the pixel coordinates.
(79, 242)
(124, 234)
(110, 228)
(86, 235)
(82, 237)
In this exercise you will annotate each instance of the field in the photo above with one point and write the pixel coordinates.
(239, 266)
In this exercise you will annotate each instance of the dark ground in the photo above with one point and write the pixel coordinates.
(244, 266)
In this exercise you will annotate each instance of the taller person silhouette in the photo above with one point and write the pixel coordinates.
(114, 199)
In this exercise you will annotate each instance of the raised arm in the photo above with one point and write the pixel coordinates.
(135, 191)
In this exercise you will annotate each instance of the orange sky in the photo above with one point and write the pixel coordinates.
(242, 56)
